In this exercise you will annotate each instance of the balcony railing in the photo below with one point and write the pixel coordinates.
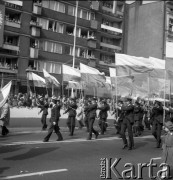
(12, 24)
(107, 63)
(37, 8)
(110, 46)
(92, 43)
(110, 28)
(13, 5)
(9, 46)
(8, 70)
(94, 24)
(34, 52)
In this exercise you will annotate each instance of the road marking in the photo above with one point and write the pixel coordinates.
(34, 174)
(65, 141)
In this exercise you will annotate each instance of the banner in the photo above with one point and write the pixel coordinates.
(92, 75)
(51, 79)
(4, 93)
(37, 80)
(2, 13)
(70, 73)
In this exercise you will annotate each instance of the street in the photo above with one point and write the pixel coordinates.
(23, 155)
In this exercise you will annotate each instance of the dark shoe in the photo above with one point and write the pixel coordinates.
(96, 136)
(89, 138)
(45, 140)
(59, 139)
(130, 148)
(125, 146)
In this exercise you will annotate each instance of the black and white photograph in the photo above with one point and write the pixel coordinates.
(86, 89)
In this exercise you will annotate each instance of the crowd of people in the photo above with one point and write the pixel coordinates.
(129, 115)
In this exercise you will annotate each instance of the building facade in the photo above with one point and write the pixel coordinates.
(149, 30)
(40, 34)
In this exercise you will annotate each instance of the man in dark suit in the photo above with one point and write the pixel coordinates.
(86, 105)
(157, 122)
(71, 109)
(128, 121)
(43, 105)
(104, 107)
(54, 119)
(91, 118)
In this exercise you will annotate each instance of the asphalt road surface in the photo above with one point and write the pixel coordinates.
(24, 156)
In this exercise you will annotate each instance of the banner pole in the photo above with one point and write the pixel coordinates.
(148, 79)
(164, 97)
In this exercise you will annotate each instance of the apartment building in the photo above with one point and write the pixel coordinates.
(40, 34)
(149, 30)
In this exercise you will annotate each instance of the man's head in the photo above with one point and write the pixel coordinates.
(93, 101)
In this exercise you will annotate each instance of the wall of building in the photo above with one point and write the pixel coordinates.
(145, 30)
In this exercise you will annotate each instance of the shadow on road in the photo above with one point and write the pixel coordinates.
(2, 169)
(32, 153)
(7, 149)
(140, 144)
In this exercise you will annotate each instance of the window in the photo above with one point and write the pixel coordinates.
(57, 48)
(59, 28)
(44, 23)
(52, 47)
(77, 51)
(67, 49)
(71, 10)
(107, 59)
(54, 5)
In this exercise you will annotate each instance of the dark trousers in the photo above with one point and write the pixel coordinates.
(147, 123)
(43, 121)
(127, 125)
(118, 126)
(57, 131)
(102, 125)
(71, 124)
(86, 123)
(156, 132)
(5, 131)
(91, 128)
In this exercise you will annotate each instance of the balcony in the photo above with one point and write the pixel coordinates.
(14, 4)
(37, 8)
(120, 14)
(12, 24)
(110, 28)
(107, 64)
(12, 47)
(35, 31)
(92, 42)
(110, 46)
(8, 70)
(34, 52)
(94, 24)
(95, 5)
(107, 9)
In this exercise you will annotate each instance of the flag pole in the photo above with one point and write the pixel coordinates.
(74, 45)
(52, 89)
(164, 97)
(148, 79)
(62, 83)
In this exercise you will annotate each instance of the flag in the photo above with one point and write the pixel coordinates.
(74, 85)
(70, 73)
(37, 80)
(91, 75)
(127, 65)
(112, 72)
(51, 79)
(4, 93)
(159, 67)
